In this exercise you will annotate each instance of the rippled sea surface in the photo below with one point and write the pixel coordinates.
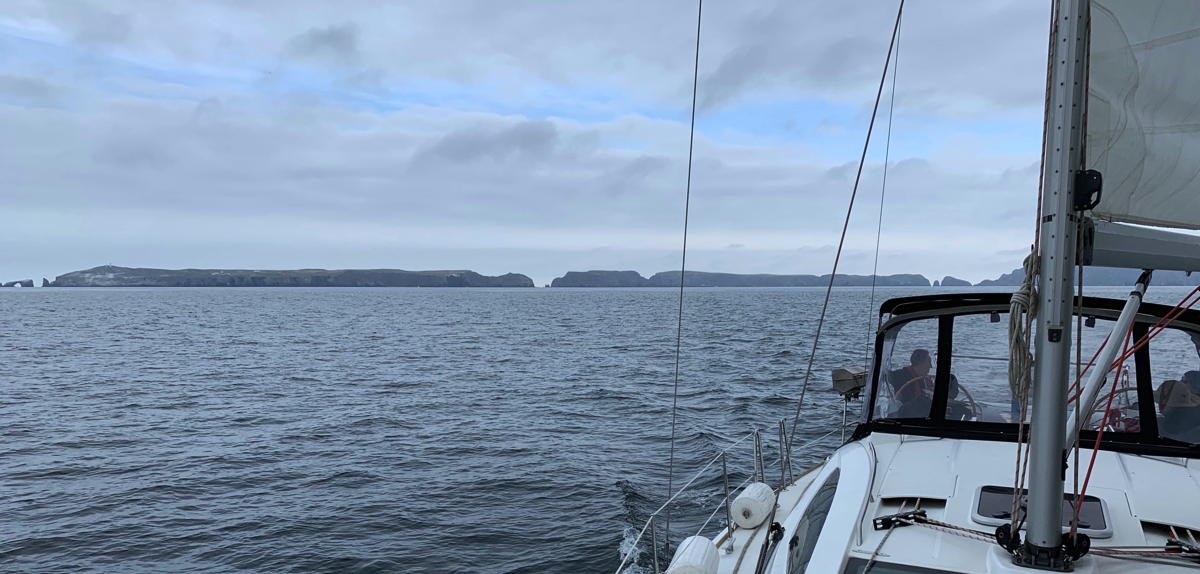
(388, 430)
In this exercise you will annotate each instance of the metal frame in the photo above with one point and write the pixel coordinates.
(1099, 374)
(903, 310)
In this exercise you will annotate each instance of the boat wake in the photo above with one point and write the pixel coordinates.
(628, 538)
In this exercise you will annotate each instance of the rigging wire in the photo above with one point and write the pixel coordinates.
(845, 226)
(887, 150)
(1078, 503)
(1079, 338)
(687, 201)
(1025, 308)
(1079, 360)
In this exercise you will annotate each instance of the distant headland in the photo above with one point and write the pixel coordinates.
(1093, 276)
(1105, 277)
(705, 279)
(113, 276)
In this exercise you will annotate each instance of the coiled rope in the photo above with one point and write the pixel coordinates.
(1022, 308)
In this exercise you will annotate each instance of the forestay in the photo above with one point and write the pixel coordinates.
(1143, 115)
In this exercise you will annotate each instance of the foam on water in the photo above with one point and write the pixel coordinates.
(629, 543)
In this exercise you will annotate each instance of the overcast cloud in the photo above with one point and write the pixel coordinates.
(534, 137)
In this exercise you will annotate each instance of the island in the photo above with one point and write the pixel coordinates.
(113, 276)
(708, 279)
(600, 279)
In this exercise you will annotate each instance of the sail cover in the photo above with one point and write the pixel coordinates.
(1143, 114)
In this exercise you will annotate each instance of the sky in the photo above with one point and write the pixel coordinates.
(535, 137)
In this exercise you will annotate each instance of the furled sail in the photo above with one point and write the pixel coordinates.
(1143, 114)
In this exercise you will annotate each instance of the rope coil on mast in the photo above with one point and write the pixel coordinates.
(1021, 312)
(1022, 308)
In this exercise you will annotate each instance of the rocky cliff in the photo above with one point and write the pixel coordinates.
(600, 279)
(949, 281)
(112, 276)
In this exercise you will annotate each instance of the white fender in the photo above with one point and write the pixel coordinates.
(753, 505)
(697, 555)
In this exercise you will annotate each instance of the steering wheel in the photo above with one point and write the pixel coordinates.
(1119, 422)
(975, 411)
(900, 391)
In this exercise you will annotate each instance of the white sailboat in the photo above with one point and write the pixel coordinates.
(946, 472)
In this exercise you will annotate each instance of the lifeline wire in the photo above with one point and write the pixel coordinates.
(846, 225)
(687, 200)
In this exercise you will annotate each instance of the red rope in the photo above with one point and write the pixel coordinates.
(1130, 349)
(1096, 446)
(1079, 378)
(1165, 321)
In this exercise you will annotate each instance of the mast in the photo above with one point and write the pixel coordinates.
(1043, 547)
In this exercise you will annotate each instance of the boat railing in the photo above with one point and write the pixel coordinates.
(758, 474)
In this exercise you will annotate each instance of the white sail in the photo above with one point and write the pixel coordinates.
(1143, 114)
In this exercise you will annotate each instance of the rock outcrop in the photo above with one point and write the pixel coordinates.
(600, 279)
(949, 281)
(19, 283)
(113, 276)
(45, 282)
(1012, 278)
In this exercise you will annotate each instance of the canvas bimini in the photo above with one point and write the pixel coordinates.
(1041, 430)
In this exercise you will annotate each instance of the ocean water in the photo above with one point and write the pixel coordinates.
(390, 430)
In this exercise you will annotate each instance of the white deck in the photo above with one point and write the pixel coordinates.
(882, 471)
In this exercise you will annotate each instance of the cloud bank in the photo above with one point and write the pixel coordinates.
(522, 136)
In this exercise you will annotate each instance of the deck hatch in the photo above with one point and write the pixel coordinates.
(993, 506)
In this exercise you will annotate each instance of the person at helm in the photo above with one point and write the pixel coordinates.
(912, 385)
(913, 381)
